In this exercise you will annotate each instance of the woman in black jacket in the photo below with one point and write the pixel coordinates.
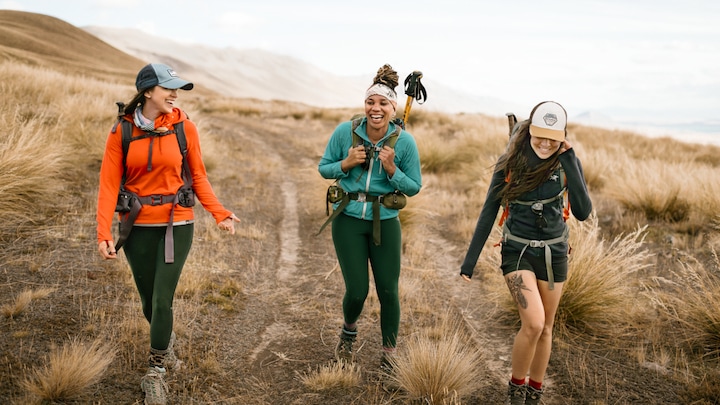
(538, 180)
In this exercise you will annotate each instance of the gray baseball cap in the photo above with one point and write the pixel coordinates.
(157, 74)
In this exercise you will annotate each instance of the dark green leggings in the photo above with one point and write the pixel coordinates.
(354, 247)
(156, 280)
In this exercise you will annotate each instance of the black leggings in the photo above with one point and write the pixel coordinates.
(156, 280)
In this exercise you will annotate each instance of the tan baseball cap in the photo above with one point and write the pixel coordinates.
(548, 120)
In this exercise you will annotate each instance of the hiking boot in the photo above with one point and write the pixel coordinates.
(154, 386)
(387, 373)
(516, 394)
(386, 362)
(533, 396)
(344, 349)
(171, 362)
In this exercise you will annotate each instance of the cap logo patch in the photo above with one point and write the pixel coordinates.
(172, 73)
(550, 119)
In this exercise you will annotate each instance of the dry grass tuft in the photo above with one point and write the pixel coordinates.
(437, 371)
(691, 300)
(330, 376)
(23, 301)
(71, 370)
(595, 296)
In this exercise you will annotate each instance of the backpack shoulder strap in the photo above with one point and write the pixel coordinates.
(182, 140)
(356, 140)
(394, 137)
(182, 143)
(126, 134)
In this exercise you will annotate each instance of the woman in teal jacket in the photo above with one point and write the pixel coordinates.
(366, 229)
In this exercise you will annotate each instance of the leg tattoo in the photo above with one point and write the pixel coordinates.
(516, 285)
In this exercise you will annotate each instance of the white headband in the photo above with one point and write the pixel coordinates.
(382, 90)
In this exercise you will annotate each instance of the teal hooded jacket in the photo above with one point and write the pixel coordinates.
(374, 181)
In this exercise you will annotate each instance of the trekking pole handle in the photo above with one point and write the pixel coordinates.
(414, 90)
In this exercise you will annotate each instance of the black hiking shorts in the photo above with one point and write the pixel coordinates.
(536, 264)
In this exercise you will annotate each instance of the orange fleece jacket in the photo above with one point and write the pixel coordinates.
(164, 178)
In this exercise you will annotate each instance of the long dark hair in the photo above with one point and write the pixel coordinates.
(514, 164)
(138, 99)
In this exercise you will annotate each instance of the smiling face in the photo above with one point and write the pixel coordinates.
(544, 147)
(379, 111)
(159, 100)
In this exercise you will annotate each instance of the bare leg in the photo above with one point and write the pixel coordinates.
(523, 287)
(551, 301)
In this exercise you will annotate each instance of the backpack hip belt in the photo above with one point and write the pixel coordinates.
(126, 222)
(376, 200)
(538, 244)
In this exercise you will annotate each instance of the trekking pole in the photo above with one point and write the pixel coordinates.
(414, 90)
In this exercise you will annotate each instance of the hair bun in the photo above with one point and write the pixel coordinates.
(388, 76)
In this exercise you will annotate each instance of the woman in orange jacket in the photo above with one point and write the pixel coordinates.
(152, 173)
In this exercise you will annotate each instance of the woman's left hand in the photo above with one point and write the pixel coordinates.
(387, 158)
(228, 224)
(565, 146)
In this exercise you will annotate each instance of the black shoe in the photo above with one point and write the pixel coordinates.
(344, 349)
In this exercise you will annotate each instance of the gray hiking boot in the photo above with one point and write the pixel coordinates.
(344, 349)
(533, 396)
(154, 386)
(171, 362)
(516, 394)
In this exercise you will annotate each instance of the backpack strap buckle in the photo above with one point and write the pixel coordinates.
(537, 243)
(156, 199)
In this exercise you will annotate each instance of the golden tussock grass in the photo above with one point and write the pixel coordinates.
(595, 298)
(23, 301)
(331, 376)
(70, 370)
(437, 370)
(690, 299)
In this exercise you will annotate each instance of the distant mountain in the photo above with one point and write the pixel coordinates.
(255, 73)
(43, 41)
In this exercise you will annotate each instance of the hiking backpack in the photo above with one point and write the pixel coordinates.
(128, 202)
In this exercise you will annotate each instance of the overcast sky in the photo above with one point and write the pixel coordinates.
(630, 59)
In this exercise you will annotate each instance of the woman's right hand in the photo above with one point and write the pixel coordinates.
(356, 156)
(107, 249)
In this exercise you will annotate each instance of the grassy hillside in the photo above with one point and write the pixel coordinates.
(638, 322)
